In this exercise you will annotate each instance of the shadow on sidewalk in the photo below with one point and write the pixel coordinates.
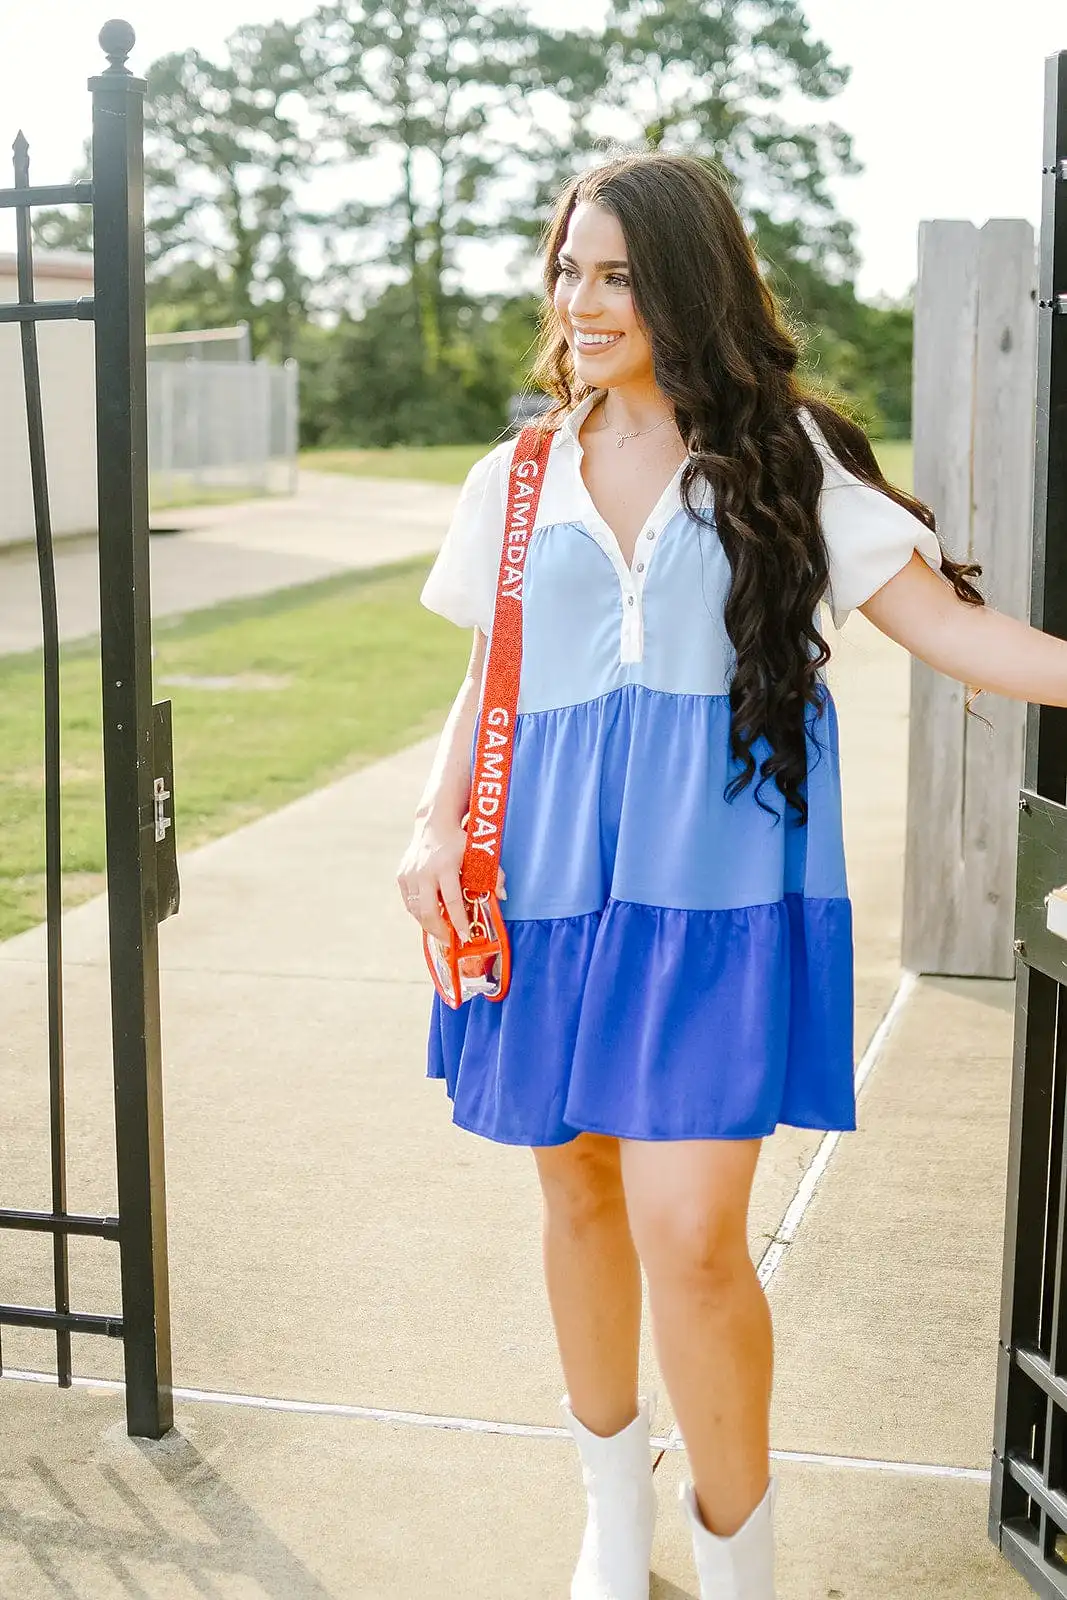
(213, 1534)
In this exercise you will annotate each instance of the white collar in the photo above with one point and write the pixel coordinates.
(568, 430)
(572, 422)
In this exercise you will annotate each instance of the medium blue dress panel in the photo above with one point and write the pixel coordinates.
(623, 798)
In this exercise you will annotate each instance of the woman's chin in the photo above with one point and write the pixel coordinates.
(598, 371)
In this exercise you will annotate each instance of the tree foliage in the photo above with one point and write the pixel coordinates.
(454, 121)
(421, 89)
(228, 148)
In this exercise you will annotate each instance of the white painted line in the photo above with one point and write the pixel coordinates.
(522, 1430)
(906, 1469)
(319, 1408)
(787, 1229)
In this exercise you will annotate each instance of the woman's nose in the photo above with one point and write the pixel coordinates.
(584, 298)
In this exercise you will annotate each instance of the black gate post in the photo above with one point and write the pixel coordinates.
(1028, 1499)
(125, 629)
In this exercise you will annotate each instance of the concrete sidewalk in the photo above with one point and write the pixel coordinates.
(335, 1240)
(332, 524)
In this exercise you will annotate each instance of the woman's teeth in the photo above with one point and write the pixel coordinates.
(592, 341)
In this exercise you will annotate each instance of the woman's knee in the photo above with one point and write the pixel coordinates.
(582, 1179)
(690, 1247)
(688, 1211)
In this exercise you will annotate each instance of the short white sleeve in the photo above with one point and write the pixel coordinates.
(463, 579)
(869, 537)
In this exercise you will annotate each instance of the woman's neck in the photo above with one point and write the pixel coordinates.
(633, 408)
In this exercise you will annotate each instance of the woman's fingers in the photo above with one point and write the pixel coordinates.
(420, 901)
(425, 898)
(452, 895)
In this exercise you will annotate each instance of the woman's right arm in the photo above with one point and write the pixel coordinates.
(431, 864)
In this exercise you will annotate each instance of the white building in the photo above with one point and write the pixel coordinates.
(68, 399)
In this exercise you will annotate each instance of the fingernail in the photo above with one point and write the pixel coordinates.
(502, 895)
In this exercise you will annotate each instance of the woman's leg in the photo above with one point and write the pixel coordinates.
(593, 1278)
(688, 1204)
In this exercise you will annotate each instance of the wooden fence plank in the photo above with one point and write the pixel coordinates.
(946, 311)
(973, 430)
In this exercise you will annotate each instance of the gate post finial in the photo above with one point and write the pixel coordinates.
(117, 39)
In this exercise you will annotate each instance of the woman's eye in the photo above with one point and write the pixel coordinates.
(617, 279)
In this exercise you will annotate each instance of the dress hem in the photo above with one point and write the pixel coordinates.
(646, 1138)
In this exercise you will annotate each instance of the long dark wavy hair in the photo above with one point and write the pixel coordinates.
(724, 356)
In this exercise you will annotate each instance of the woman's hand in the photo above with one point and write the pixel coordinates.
(429, 875)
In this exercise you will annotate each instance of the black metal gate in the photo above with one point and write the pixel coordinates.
(142, 883)
(1028, 1502)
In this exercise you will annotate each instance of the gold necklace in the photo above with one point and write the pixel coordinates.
(621, 438)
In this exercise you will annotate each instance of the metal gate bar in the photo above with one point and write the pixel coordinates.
(141, 867)
(1028, 1497)
(132, 803)
(46, 568)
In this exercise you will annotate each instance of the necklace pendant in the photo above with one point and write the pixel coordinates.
(621, 442)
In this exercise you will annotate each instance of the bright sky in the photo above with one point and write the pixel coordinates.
(945, 113)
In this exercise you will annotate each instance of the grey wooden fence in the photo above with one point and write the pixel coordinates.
(975, 320)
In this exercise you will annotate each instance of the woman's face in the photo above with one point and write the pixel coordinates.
(594, 304)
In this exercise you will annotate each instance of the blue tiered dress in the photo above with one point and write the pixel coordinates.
(682, 966)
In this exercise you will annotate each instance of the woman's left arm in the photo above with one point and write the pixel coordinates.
(973, 644)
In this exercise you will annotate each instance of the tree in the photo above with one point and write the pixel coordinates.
(362, 384)
(422, 85)
(67, 227)
(705, 75)
(228, 148)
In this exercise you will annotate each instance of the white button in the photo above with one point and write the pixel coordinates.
(640, 566)
(651, 533)
(629, 599)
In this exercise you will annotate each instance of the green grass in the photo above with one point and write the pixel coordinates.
(363, 670)
(437, 463)
(207, 496)
(451, 463)
(895, 460)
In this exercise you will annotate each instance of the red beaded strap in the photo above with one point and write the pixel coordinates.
(496, 730)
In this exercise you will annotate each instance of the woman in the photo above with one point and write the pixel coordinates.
(675, 881)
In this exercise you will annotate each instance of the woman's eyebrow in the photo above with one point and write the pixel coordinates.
(601, 266)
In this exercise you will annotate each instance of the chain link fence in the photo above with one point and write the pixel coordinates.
(221, 425)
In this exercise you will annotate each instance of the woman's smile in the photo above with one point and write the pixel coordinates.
(595, 341)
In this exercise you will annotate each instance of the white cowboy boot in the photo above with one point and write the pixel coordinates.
(736, 1566)
(617, 1472)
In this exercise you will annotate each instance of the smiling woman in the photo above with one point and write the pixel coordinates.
(677, 910)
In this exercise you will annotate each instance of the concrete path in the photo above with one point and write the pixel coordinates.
(336, 1240)
(332, 524)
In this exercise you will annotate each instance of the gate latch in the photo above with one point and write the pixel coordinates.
(168, 889)
(163, 822)
(1056, 911)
